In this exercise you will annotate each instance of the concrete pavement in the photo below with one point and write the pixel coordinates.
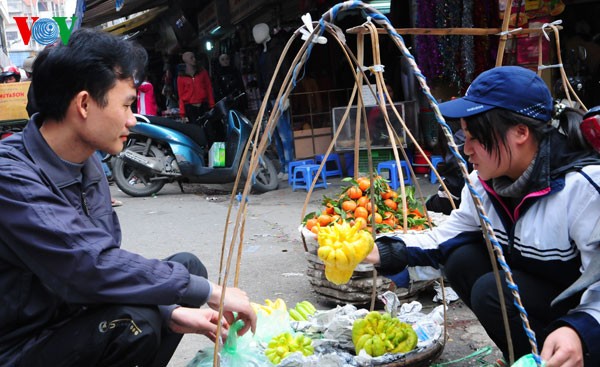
(273, 263)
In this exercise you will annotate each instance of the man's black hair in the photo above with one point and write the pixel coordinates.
(93, 61)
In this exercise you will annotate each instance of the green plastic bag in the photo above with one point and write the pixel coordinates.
(237, 352)
(270, 325)
(526, 361)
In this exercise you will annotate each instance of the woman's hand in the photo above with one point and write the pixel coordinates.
(236, 300)
(373, 256)
(562, 348)
(204, 321)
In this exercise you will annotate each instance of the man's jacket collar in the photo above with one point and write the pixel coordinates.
(54, 167)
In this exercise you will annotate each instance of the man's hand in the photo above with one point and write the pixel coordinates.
(204, 321)
(236, 300)
(562, 348)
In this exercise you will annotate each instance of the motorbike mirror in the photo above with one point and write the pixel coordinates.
(582, 53)
(221, 106)
(590, 127)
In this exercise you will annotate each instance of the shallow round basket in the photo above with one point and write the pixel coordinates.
(420, 358)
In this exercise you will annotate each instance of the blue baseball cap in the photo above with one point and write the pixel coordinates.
(512, 88)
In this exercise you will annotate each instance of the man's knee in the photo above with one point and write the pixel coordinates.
(191, 262)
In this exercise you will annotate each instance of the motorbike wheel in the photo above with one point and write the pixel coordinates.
(265, 176)
(136, 182)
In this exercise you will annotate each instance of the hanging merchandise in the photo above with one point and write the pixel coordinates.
(448, 15)
(526, 10)
(531, 14)
(485, 15)
(427, 50)
(453, 58)
(467, 46)
(528, 45)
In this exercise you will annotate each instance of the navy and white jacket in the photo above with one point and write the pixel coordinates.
(553, 233)
(60, 247)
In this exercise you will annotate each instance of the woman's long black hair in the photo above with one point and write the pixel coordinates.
(490, 128)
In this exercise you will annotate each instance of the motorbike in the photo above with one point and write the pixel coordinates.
(160, 150)
(7, 128)
(578, 75)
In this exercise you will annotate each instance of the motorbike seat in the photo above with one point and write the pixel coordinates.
(193, 131)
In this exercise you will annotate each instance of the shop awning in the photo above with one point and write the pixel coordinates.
(101, 11)
(138, 21)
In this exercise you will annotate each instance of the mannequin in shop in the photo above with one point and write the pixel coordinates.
(195, 93)
(194, 89)
(268, 56)
(228, 82)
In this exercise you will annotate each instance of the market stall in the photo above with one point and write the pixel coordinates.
(342, 239)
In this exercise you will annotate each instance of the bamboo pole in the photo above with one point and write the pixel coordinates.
(504, 34)
(452, 31)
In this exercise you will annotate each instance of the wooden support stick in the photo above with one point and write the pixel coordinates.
(451, 31)
(504, 36)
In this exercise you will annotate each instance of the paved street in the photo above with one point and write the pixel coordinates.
(273, 262)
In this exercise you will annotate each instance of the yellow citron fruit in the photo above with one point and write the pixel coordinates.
(342, 247)
(269, 306)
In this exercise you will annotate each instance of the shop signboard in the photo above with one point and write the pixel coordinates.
(13, 101)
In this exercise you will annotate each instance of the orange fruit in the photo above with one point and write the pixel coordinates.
(378, 218)
(391, 204)
(389, 221)
(364, 183)
(386, 194)
(336, 218)
(362, 201)
(393, 194)
(416, 212)
(369, 207)
(324, 219)
(329, 209)
(354, 192)
(362, 221)
(361, 212)
(349, 205)
(311, 223)
(315, 229)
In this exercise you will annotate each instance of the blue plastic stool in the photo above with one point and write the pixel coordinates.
(304, 176)
(393, 170)
(292, 165)
(333, 166)
(435, 160)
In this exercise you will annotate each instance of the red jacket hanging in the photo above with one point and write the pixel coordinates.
(146, 104)
(194, 89)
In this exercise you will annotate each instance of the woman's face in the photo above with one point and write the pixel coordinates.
(489, 165)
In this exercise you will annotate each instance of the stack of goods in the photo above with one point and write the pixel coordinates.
(303, 336)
